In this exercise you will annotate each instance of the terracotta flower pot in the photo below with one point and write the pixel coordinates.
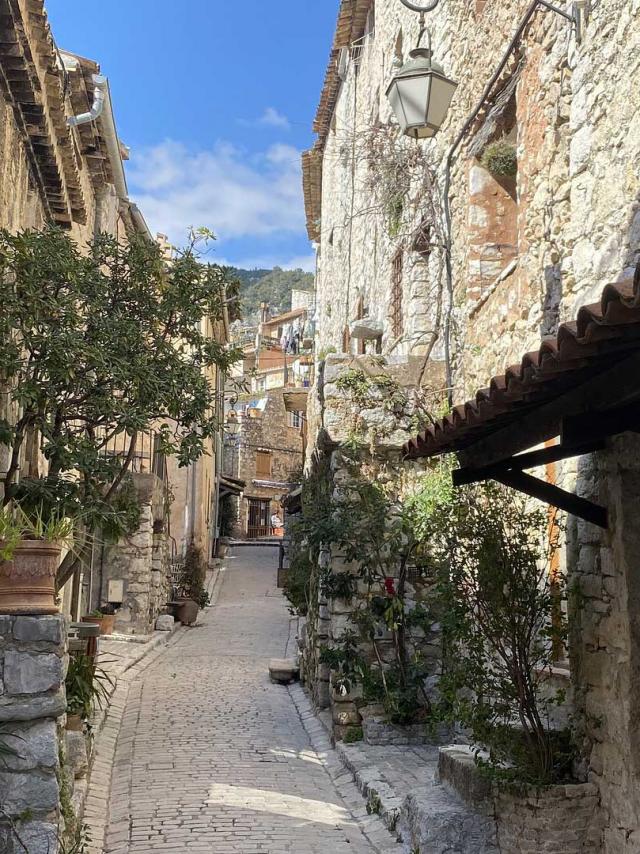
(74, 723)
(106, 623)
(28, 582)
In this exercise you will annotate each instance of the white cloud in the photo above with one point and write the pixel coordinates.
(272, 118)
(235, 194)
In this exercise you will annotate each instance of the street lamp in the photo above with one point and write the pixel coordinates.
(420, 92)
(232, 427)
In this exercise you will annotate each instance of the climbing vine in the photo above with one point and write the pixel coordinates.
(382, 652)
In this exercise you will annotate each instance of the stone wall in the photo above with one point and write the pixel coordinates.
(269, 431)
(32, 700)
(557, 820)
(605, 648)
(141, 562)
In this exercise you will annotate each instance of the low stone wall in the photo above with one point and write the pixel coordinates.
(32, 699)
(377, 730)
(556, 820)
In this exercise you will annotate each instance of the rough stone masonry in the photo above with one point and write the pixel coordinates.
(32, 700)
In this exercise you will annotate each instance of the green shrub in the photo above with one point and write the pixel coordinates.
(296, 587)
(194, 576)
(353, 734)
(500, 159)
(500, 624)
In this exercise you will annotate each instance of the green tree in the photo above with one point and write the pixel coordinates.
(272, 286)
(497, 597)
(100, 346)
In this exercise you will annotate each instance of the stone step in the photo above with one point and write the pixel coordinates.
(437, 821)
(284, 671)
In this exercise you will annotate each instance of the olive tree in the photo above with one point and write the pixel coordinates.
(98, 345)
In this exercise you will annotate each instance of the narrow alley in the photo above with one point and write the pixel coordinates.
(220, 761)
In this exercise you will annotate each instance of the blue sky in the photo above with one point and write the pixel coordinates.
(216, 100)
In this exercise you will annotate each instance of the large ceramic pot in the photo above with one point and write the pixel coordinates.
(106, 623)
(28, 582)
(187, 611)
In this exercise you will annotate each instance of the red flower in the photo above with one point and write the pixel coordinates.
(389, 586)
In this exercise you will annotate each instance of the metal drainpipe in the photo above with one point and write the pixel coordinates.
(533, 8)
(97, 108)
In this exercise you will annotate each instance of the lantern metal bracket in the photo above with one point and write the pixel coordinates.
(420, 7)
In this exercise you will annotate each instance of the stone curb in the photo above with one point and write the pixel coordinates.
(372, 784)
(372, 825)
(98, 788)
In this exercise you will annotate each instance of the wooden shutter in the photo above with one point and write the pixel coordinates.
(263, 464)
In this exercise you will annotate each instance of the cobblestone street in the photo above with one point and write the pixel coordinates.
(211, 756)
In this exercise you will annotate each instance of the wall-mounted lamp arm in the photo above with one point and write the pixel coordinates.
(429, 6)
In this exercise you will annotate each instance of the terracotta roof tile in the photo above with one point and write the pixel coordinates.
(600, 333)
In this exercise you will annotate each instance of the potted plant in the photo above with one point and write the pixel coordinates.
(192, 586)
(30, 550)
(87, 686)
(105, 617)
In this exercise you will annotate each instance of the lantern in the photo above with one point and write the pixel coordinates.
(420, 94)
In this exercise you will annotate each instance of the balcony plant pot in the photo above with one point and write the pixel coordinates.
(28, 580)
(187, 611)
(106, 622)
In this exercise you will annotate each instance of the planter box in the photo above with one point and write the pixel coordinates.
(28, 581)
(555, 820)
(106, 622)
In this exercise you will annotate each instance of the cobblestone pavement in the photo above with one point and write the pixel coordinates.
(212, 757)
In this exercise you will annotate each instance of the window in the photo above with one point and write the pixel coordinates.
(296, 419)
(492, 222)
(263, 464)
(396, 296)
(370, 26)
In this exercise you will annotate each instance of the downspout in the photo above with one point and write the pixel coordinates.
(97, 108)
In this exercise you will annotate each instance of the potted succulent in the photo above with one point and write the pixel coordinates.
(30, 550)
(87, 686)
(105, 617)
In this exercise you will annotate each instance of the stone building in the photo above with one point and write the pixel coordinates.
(70, 174)
(540, 277)
(265, 452)
(54, 172)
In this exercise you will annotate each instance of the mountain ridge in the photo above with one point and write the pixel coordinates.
(269, 285)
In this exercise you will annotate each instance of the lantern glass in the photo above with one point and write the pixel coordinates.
(420, 95)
